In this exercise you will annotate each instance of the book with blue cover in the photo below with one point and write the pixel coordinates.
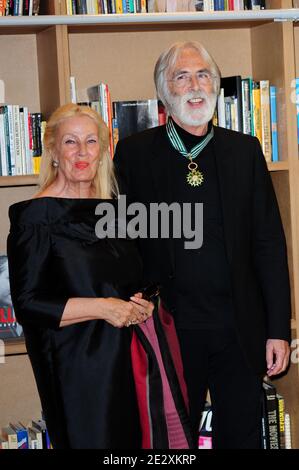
(274, 135)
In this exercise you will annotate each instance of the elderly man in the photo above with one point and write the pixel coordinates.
(230, 298)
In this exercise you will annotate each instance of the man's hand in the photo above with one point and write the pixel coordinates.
(277, 356)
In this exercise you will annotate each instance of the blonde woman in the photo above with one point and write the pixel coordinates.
(76, 295)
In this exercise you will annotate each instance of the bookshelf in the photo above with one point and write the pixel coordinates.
(51, 47)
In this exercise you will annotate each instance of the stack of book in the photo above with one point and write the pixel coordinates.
(20, 140)
(19, 7)
(17, 436)
(123, 118)
(275, 425)
(95, 7)
(249, 106)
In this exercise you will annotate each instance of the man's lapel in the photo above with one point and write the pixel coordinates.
(159, 167)
(226, 168)
(160, 175)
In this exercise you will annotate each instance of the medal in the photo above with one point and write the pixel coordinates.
(194, 177)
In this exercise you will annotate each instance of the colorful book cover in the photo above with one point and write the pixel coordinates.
(135, 116)
(205, 428)
(9, 328)
(22, 435)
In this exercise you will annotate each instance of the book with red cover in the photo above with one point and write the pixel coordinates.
(9, 328)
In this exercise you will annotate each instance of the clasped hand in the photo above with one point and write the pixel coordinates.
(277, 356)
(120, 313)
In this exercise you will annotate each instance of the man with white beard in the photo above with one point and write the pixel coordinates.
(230, 299)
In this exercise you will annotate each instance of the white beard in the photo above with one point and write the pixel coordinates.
(192, 117)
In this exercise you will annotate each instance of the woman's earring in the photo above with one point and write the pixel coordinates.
(101, 162)
(55, 164)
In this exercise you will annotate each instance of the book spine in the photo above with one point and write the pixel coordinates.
(115, 133)
(73, 89)
(287, 427)
(3, 152)
(281, 414)
(22, 140)
(17, 140)
(256, 102)
(119, 6)
(246, 111)
(274, 134)
(272, 415)
(265, 119)
(11, 141)
(221, 109)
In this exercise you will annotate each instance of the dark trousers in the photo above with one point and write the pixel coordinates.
(213, 360)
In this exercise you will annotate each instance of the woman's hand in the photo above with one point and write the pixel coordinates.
(120, 313)
(145, 307)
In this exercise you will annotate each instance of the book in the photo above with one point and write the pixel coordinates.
(40, 425)
(281, 416)
(22, 435)
(3, 443)
(273, 113)
(9, 328)
(254, 4)
(10, 436)
(256, 111)
(35, 438)
(271, 416)
(205, 428)
(19, 7)
(247, 105)
(287, 430)
(233, 94)
(135, 116)
(265, 119)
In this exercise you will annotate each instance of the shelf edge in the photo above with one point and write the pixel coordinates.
(291, 14)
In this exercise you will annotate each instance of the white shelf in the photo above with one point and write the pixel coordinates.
(291, 14)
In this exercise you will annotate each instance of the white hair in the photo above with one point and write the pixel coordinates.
(167, 61)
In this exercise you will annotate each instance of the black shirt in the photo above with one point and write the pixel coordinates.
(202, 280)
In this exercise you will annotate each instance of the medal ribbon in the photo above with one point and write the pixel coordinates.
(178, 144)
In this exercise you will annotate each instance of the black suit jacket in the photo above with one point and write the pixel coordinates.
(253, 232)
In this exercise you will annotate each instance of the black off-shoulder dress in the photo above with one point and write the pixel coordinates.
(84, 372)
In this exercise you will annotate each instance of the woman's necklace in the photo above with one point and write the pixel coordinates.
(194, 177)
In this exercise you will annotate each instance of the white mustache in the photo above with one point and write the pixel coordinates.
(193, 96)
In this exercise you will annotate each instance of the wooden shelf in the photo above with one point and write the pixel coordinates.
(24, 180)
(15, 347)
(32, 180)
(278, 166)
